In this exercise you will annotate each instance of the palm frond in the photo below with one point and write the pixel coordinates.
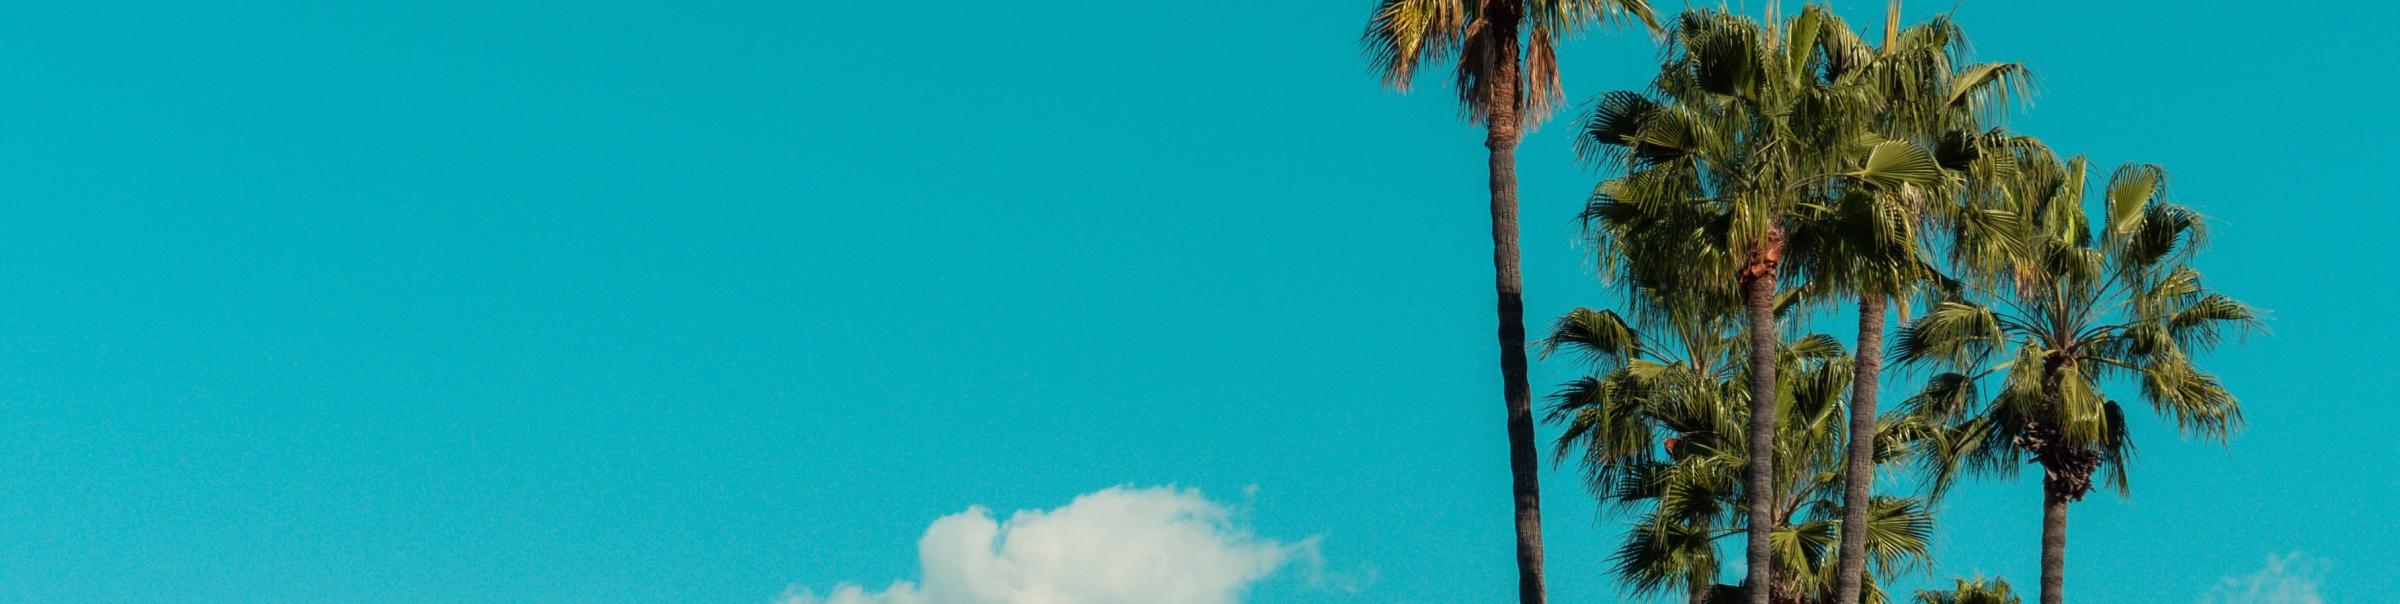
(1595, 335)
(1404, 35)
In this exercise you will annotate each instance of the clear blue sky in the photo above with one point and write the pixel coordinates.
(690, 302)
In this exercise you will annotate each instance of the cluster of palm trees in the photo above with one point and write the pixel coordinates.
(1775, 170)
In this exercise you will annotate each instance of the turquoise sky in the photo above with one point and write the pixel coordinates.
(693, 302)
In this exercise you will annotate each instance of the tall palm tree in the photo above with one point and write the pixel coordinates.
(1755, 125)
(1868, 246)
(1507, 79)
(1659, 431)
(1971, 592)
(2082, 309)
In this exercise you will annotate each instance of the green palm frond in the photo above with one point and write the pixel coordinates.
(1613, 128)
(1404, 35)
(1899, 534)
(1597, 335)
(2204, 322)
(1899, 165)
(1984, 89)
(1815, 347)
(2194, 399)
(1954, 333)
(1660, 556)
(2132, 190)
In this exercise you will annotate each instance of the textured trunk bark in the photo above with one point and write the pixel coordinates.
(1758, 298)
(2054, 547)
(1859, 477)
(1524, 463)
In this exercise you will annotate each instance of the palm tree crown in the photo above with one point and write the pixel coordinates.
(1490, 40)
(2078, 309)
(1660, 433)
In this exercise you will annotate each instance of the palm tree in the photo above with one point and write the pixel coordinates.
(1756, 125)
(1868, 245)
(1507, 79)
(1971, 592)
(2080, 308)
(1659, 432)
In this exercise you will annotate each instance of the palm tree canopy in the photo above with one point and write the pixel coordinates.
(2087, 302)
(1403, 36)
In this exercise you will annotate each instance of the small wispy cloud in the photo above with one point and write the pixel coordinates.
(2286, 579)
(1115, 546)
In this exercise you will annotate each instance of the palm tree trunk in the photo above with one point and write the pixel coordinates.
(1758, 298)
(2054, 547)
(1858, 480)
(1523, 463)
(2066, 475)
(1859, 477)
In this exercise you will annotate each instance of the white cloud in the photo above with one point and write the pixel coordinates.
(2286, 579)
(1115, 546)
(901, 592)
